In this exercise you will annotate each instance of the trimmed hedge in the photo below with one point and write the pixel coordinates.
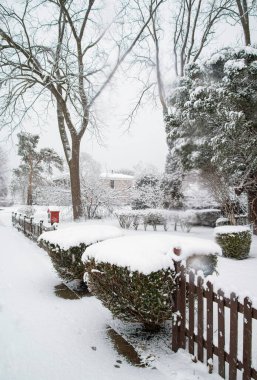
(67, 263)
(66, 246)
(136, 297)
(133, 296)
(235, 244)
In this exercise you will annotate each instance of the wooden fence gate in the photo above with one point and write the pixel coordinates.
(199, 317)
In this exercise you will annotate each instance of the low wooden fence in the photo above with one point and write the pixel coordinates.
(28, 226)
(197, 307)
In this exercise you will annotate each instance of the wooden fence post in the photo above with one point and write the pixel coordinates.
(175, 317)
(209, 321)
(24, 224)
(41, 227)
(191, 306)
(31, 226)
(200, 318)
(182, 307)
(233, 337)
(247, 342)
(221, 333)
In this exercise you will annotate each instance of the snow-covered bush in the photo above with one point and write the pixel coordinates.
(155, 217)
(206, 217)
(235, 241)
(65, 247)
(147, 190)
(134, 275)
(133, 296)
(240, 220)
(29, 211)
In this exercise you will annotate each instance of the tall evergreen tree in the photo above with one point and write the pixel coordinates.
(214, 118)
(34, 164)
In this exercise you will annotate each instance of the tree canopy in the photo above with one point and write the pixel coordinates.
(213, 117)
(35, 164)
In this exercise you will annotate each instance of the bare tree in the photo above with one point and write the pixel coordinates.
(194, 25)
(70, 51)
(190, 25)
(244, 9)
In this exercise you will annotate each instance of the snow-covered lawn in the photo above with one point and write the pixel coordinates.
(46, 337)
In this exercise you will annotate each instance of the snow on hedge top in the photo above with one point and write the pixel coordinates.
(230, 229)
(80, 233)
(148, 253)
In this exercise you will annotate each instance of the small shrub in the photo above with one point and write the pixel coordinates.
(133, 296)
(235, 241)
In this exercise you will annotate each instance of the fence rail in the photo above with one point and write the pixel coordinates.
(28, 226)
(196, 308)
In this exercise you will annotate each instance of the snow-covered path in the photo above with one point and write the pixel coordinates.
(43, 337)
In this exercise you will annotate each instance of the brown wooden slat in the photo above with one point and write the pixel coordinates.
(182, 307)
(175, 328)
(233, 337)
(226, 356)
(209, 320)
(191, 306)
(200, 318)
(221, 333)
(247, 341)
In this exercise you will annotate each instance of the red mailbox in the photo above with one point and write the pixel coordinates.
(53, 215)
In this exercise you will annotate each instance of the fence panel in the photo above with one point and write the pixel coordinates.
(206, 298)
(28, 226)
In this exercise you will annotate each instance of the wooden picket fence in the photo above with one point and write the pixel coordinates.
(28, 226)
(193, 328)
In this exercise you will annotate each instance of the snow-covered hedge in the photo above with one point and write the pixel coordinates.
(206, 217)
(235, 241)
(133, 296)
(134, 275)
(65, 247)
(155, 217)
(185, 219)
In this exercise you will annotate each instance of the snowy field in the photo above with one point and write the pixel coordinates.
(45, 337)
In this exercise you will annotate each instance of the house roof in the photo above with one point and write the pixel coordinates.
(117, 176)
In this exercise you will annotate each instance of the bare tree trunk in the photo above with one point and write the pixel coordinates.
(30, 188)
(252, 202)
(75, 180)
(29, 194)
(244, 19)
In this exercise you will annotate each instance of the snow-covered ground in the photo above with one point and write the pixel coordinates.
(46, 337)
